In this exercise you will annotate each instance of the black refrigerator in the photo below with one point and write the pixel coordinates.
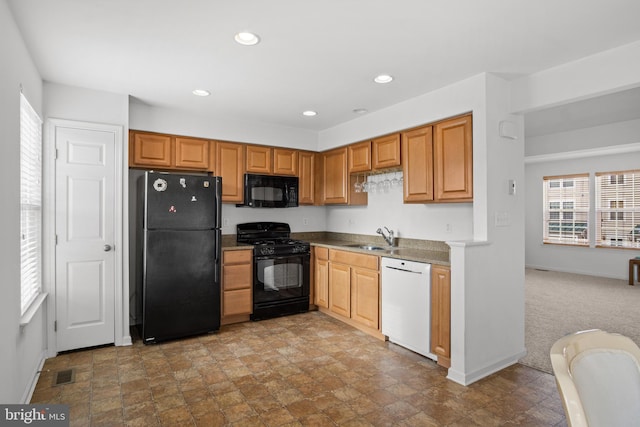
(181, 257)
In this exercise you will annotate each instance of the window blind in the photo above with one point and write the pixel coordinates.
(30, 204)
(618, 209)
(566, 209)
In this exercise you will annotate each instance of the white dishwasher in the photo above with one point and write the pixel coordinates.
(406, 304)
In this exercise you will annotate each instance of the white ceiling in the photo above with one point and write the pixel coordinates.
(320, 55)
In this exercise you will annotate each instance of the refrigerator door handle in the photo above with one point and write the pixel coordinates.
(217, 266)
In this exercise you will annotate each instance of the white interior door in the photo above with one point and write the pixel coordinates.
(85, 252)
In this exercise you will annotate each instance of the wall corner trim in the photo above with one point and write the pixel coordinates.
(581, 154)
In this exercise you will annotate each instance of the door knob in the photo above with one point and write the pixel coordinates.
(107, 248)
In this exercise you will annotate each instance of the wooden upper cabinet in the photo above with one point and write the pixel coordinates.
(191, 153)
(307, 179)
(259, 159)
(335, 176)
(230, 166)
(417, 165)
(285, 161)
(453, 160)
(386, 152)
(149, 150)
(360, 157)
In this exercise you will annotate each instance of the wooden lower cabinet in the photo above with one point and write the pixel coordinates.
(365, 297)
(352, 284)
(441, 314)
(321, 277)
(340, 289)
(237, 286)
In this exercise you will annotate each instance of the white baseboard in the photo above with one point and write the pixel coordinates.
(28, 393)
(469, 378)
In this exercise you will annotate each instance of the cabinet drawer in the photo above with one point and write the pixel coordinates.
(237, 257)
(355, 259)
(236, 277)
(236, 302)
(321, 253)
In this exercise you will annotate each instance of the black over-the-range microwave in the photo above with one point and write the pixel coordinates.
(270, 191)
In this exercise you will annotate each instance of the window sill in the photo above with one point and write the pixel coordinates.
(33, 309)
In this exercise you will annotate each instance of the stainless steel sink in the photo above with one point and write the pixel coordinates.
(366, 247)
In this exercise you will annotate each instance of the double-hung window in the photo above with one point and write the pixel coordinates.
(566, 209)
(618, 209)
(30, 205)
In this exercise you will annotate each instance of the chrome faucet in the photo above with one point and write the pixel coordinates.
(389, 237)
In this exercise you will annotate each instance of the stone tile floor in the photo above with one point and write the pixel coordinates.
(307, 369)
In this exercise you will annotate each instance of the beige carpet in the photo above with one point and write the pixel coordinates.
(557, 304)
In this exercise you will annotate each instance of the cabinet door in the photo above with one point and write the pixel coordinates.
(417, 146)
(340, 289)
(237, 302)
(191, 153)
(386, 152)
(441, 313)
(259, 159)
(285, 161)
(335, 177)
(306, 185)
(229, 165)
(237, 283)
(150, 150)
(322, 283)
(360, 157)
(453, 160)
(365, 297)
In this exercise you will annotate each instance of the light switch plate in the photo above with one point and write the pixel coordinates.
(502, 219)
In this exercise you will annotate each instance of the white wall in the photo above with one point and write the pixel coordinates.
(599, 74)
(85, 105)
(466, 220)
(487, 307)
(451, 221)
(592, 261)
(167, 120)
(23, 349)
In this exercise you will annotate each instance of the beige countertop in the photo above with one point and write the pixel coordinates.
(409, 249)
(411, 254)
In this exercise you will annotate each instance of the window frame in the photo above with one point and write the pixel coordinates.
(617, 209)
(565, 217)
(31, 205)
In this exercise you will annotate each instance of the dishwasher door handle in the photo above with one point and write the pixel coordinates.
(402, 269)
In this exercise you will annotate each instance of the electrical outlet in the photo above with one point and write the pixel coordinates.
(225, 222)
(448, 228)
(305, 221)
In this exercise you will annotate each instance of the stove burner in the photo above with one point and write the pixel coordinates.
(271, 238)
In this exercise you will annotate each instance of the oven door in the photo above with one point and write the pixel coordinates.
(279, 278)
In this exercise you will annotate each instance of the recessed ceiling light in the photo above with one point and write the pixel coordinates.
(247, 39)
(201, 92)
(309, 113)
(360, 111)
(383, 78)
